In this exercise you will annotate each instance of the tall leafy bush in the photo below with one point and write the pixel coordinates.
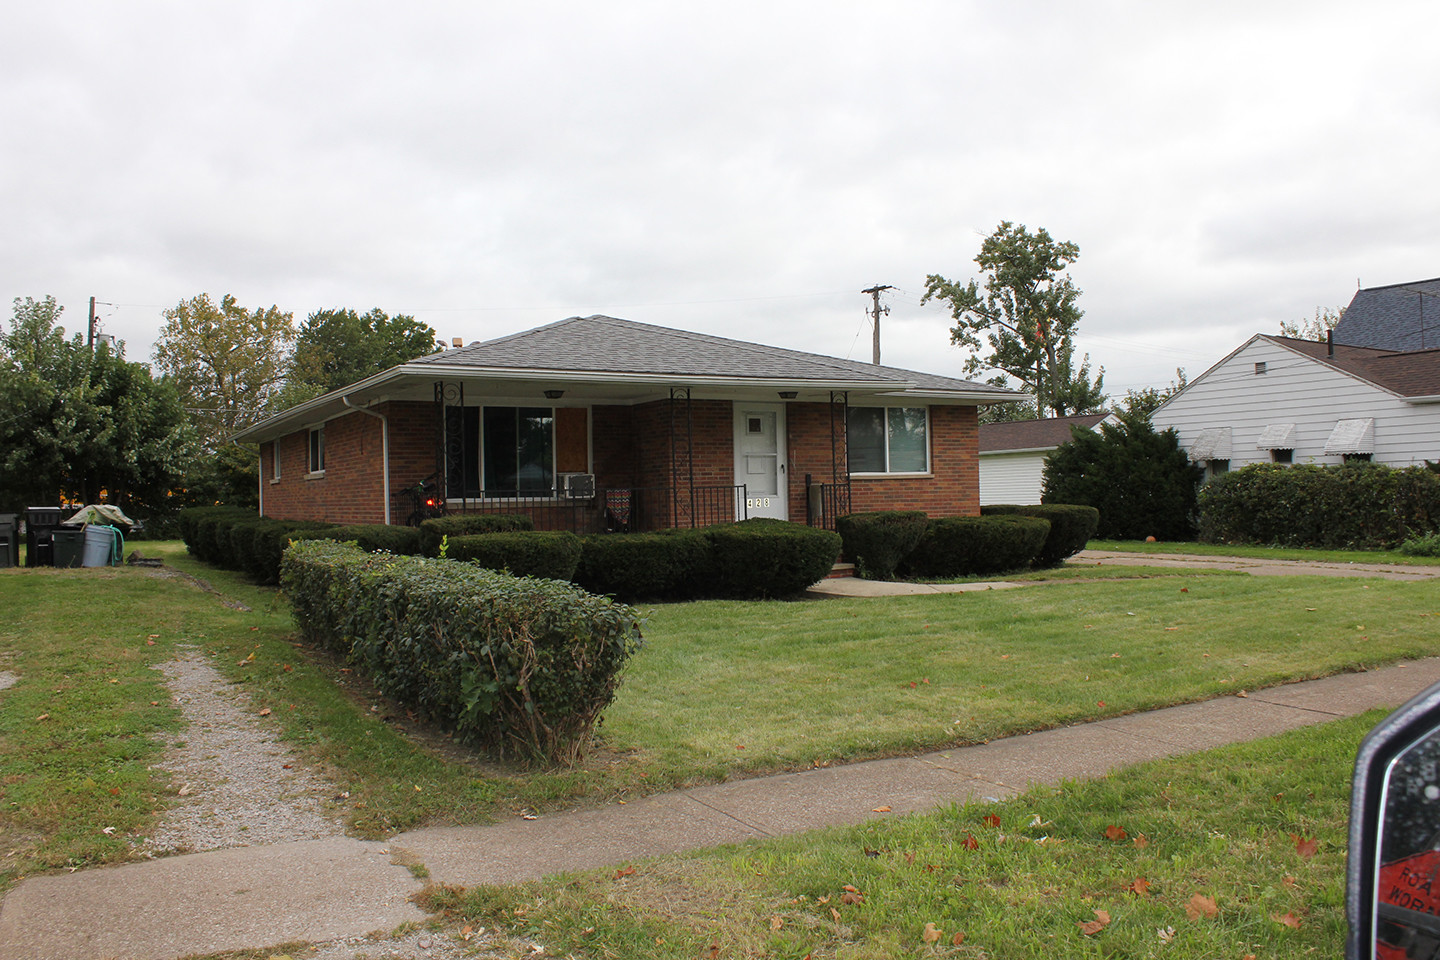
(1071, 527)
(878, 541)
(976, 546)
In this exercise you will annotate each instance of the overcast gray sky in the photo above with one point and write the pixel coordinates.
(742, 169)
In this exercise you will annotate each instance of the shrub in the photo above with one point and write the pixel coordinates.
(674, 565)
(762, 557)
(197, 528)
(519, 665)
(212, 536)
(877, 542)
(1141, 481)
(376, 537)
(523, 553)
(1423, 546)
(1071, 527)
(270, 540)
(976, 546)
(1355, 506)
(432, 531)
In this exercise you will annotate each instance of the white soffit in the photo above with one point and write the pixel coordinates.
(1352, 436)
(1212, 444)
(1277, 436)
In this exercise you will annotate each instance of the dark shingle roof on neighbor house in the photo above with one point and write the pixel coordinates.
(1414, 373)
(1398, 317)
(1026, 435)
(610, 346)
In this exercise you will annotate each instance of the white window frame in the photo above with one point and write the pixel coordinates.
(275, 461)
(887, 472)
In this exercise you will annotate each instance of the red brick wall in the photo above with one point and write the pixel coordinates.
(807, 428)
(952, 489)
(612, 446)
(351, 489)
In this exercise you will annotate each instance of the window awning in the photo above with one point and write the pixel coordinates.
(1277, 436)
(1212, 444)
(1352, 436)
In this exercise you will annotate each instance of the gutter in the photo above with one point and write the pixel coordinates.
(384, 448)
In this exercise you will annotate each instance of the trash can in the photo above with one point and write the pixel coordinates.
(9, 540)
(40, 523)
(67, 545)
(103, 546)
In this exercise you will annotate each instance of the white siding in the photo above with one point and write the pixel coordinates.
(1296, 389)
(1010, 477)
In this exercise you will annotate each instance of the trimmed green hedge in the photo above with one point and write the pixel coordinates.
(551, 555)
(202, 527)
(465, 524)
(674, 565)
(377, 537)
(1071, 527)
(1355, 506)
(976, 546)
(518, 665)
(763, 558)
(878, 541)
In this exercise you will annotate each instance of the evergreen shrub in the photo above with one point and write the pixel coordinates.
(377, 537)
(269, 540)
(197, 528)
(1140, 480)
(434, 530)
(1355, 506)
(1071, 527)
(552, 555)
(878, 541)
(673, 565)
(761, 558)
(518, 665)
(976, 546)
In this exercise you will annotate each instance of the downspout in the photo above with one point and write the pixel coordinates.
(384, 447)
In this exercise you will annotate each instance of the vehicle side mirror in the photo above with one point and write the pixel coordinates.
(1392, 874)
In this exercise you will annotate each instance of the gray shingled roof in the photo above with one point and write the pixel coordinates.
(1402, 316)
(607, 345)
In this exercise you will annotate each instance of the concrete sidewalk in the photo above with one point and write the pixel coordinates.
(254, 897)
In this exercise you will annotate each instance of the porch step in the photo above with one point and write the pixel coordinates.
(841, 570)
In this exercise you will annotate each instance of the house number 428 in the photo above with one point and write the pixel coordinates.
(760, 502)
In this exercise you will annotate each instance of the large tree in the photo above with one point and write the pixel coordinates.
(1026, 313)
(228, 362)
(335, 348)
(78, 422)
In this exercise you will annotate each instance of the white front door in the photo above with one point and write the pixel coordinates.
(760, 458)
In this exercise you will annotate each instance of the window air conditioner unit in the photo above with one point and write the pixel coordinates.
(580, 486)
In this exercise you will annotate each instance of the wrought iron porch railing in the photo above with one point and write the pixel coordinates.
(825, 501)
(613, 510)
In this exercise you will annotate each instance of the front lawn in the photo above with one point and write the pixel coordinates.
(720, 689)
(1230, 853)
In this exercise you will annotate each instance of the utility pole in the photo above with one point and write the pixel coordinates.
(875, 313)
(91, 342)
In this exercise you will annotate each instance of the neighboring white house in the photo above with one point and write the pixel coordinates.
(1012, 455)
(1281, 400)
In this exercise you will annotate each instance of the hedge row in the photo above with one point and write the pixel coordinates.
(754, 559)
(907, 542)
(976, 546)
(517, 665)
(1355, 506)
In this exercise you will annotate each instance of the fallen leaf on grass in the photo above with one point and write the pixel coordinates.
(881, 810)
(1092, 927)
(776, 923)
(265, 712)
(1113, 832)
(1166, 934)
(1141, 841)
(1305, 847)
(43, 716)
(930, 935)
(1287, 920)
(624, 872)
(958, 939)
(991, 820)
(1201, 906)
(835, 914)
(1242, 693)
(1140, 887)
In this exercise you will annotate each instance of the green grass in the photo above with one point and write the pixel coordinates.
(720, 689)
(1264, 553)
(1218, 825)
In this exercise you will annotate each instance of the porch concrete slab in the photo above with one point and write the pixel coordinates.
(851, 794)
(235, 899)
(519, 850)
(1347, 694)
(856, 587)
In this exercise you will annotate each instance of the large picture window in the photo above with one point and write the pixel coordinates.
(500, 451)
(888, 439)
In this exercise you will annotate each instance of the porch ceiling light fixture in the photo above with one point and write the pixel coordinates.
(789, 394)
(554, 394)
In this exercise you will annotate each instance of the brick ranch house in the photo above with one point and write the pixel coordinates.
(594, 423)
